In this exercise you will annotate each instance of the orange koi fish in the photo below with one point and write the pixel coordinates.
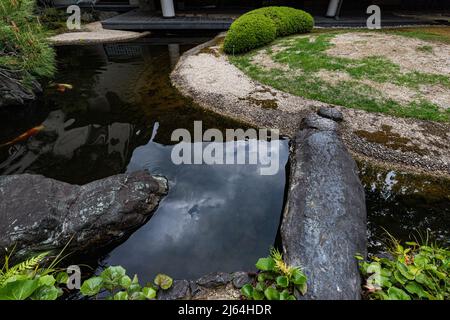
(24, 136)
(62, 87)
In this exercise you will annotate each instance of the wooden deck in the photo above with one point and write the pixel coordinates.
(138, 20)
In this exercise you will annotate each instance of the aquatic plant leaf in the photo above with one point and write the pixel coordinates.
(298, 277)
(272, 294)
(258, 295)
(149, 293)
(397, 294)
(121, 295)
(125, 282)
(18, 290)
(266, 264)
(138, 296)
(49, 292)
(303, 288)
(398, 276)
(133, 288)
(415, 288)
(282, 281)
(92, 286)
(284, 295)
(247, 291)
(263, 276)
(47, 280)
(163, 281)
(405, 271)
(261, 286)
(62, 278)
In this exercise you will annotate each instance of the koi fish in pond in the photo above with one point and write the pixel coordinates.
(62, 87)
(24, 136)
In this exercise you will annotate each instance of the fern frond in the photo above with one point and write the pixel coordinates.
(30, 263)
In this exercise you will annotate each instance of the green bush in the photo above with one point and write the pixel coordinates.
(249, 32)
(261, 26)
(287, 20)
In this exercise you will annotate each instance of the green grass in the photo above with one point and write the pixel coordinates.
(431, 33)
(306, 58)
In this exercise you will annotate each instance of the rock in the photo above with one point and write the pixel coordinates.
(313, 121)
(40, 214)
(324, 223)
(13, 92)
(224, 292)
(180, 290)
(331, 113)
(215, 280)
(240, 279)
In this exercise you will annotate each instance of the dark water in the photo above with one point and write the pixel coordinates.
(409, 207)
(119, 117)
(215, 218)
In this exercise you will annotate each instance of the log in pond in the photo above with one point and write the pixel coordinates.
(324, 222)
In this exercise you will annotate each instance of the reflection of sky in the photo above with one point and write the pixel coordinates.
(215, 218)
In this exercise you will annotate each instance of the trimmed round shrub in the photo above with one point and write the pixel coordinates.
(249, 32)
(287, 20)
(255, 28)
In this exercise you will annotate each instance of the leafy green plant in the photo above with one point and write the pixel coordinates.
(261, 26)
(118, 286)
(276, 280)
(24, 47)
(30, 279)
(413, 272)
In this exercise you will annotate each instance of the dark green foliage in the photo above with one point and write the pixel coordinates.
(276, 280)
(32, 280)
(261, 26)
(413, 272)
(249, 32)
(24, 47)
(119, 286)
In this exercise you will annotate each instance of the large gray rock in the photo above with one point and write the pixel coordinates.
(324, 222)
(39, 214)
(13, 92)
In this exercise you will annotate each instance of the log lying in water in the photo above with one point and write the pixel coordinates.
(324, 223)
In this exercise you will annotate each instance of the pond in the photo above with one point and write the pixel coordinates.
(119, 117)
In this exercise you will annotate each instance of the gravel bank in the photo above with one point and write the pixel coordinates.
(205, 75)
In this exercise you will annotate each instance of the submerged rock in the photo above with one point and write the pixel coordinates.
(324, 222)
(40, 214)
(214, 280)
(13, 92)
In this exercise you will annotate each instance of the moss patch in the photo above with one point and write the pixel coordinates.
(390, 139)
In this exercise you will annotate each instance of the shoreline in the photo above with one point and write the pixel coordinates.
(205, 75)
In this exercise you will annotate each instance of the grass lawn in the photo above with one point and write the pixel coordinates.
(312, 66)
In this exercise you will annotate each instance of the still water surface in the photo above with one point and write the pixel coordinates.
(215, 218)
